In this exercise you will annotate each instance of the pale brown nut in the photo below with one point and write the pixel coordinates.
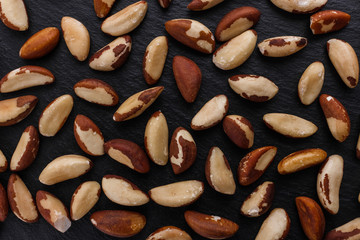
(329, 181)
(275, 227)
(345, 61)
(357, 150)
(103, 7)
(76, 37)
(301, 160)
(154, 59)
(239, 130)
(118, 223)
(14, 110)
(282, 46)
(156, 139)
(112, 56)
(183, 150)
(54, 116)
(53, 211)
(253, 87)
(164, 3)
(311, 218)
(311, 83)
(218, 172)
(200, 5)
(3, 162)
(169, 233)
(25, 77)
(299, 7)
(137, 104)
(187, 76)
(236, 51)
(40, 44)
(4, 204)
(88, 136)
(96, 91)
(64, 168)
(121, 191)
(254, 164)
(336, 116)
(84, 199)
(128, 153)
(26, 150)
(290, 125)
(328, 21)
(210, 226)
(192, 34)
(20, 200)
(348, 231)
(259, 201)
(14, 15)
(177, 194)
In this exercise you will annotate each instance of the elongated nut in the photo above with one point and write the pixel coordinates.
(218, 172)
(103, 7)
(239, 130)
(4, 204)
(26, 150)
(3, 162)
(275, 227)
(328, 21)
(21, 202)
(55, 115)
(348, 231)
(169, 233)
(299, 7)
(14, 110)
(64, 168)
(84, 198)
(329, 182)
(177, 194)
(311, 82)
(236, 51)
(300, 160)
(200, 5)
(282, 46)
(156, 139)
(14, 15)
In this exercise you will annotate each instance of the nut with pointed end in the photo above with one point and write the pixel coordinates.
(298, 7)
(14, 15)
(103, 7)
(311, 82)
(239, 130)
(3, 162)
(200, 5)
(275, 227)
(348, 231)
(328, 21)
(282, 46)
(4, 204)
(169, 233)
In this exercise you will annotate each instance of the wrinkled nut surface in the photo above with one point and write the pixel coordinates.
(53, 211)
(156, 139)
(275, 227)
(64, 168)
(211, 113)
(336, 116)
(254, 164)
(328, 21)
(128, 153)
(200, 5)
(14, 110)
(311, 82)
(329, 182)
(112, 56)
(14, 15)
(118, 223)
(169, 233)
(4, 204)
(40, 44)
(239, 130)
(236, 51)
(259, 201)
(96, 91)
(253, 87)
(3, 162)
(345, 61)
(55, 115)
(236, 22)
(154, 59)
(298, 6)
(182, 150)
(187, 76)
(282, 46)
(218, 172)
(103, 7)
(137, 104)
(164, 3)
(125, 20)
(209, 226)
(122, 191)
(88, 136)
(25, 77)
(84, 199)
(311, 217)
(348, 231)
(76, 37)
(26, 150)
(192, 34)
(20, 200)
(177, 194)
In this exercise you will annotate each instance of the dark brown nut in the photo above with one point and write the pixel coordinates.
(348, 231)
(311, 82)
(3, 162)
(282, 46)
(4, 204)
(239, 130)
(164, 3)
(200, 5)
(14, 15)
(169, 233)
(328, 21)
(103, 7)
(299, 7)
(275, 227)
(357, 149)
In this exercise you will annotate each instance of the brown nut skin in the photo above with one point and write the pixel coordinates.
(169, 233)
(311, 217)
(3, 162)
(164, 3)
(15, 20)
(350, 230)
(329, 20)
(103, 7)
(298, 7)
(200, 5)
(4, 205)
(276, 226)
(40, 44)
(118, 223)
(239, 130)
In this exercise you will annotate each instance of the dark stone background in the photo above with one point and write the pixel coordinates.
(127, 80)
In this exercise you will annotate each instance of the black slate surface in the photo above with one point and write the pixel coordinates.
(127, 80)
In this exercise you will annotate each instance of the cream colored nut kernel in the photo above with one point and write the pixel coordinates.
(311, 83)
(169, 233)
(103, 7)
(275, 227)
(349, 231)
(14, 15)
(299, 6)
(3, 162)
(282, 46)
(200, 5)
(239, 130)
